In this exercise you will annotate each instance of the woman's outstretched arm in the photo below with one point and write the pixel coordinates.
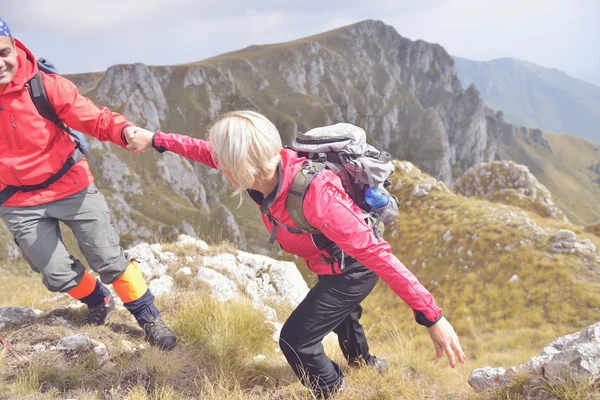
(191, 148)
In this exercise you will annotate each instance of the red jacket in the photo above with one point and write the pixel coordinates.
(32, 148)
(328, 208)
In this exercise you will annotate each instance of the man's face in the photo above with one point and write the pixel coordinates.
(8, 60)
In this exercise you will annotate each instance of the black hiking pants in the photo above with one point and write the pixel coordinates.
(333, 304)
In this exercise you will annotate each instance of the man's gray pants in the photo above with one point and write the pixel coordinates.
(37, 233)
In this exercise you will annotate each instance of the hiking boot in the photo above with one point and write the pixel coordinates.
(341, 385)
(97, 315)
(158, 334)
(379, 364)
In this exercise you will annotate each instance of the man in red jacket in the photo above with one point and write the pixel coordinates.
(45, 180)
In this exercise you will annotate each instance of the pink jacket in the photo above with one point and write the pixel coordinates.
(328, 208)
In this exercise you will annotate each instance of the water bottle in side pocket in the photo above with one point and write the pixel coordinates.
(383, 204)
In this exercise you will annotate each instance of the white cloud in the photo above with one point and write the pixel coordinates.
(86, 34)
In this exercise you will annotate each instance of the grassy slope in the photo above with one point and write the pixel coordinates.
(500, 323)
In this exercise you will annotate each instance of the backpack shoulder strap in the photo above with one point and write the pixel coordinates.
(297, 192)
(41, 102)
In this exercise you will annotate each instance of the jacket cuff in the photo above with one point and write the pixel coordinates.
(160, 149)
(422, 319)
(123, 138)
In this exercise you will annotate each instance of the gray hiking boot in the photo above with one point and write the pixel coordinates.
(158, 334)
(379, 364)
(97, 315)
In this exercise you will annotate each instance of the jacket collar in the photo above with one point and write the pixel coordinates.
(289, 165)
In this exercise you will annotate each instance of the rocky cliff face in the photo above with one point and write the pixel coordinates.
(404, 93)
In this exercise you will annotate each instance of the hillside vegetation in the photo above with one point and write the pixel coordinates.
(504, 278)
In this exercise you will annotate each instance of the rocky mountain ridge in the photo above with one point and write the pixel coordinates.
(404, 93)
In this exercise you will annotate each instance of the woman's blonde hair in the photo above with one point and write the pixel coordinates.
(246, 145)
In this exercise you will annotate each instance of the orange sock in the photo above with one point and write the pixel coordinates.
(85, 287)
(131, 285)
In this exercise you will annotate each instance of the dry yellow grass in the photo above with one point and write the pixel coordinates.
(499, 323)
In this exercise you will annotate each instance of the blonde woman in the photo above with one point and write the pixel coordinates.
(247, 148)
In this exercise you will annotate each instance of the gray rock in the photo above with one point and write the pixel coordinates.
(184, 271)
(486, 378)
(580, 363)
(161, 286)
(167, 256)
(506, 180)
(221, 287)
(156, 248)
(229, 226)
(421, 190)
(565, 241)
(574, 357)
(77, 342)
(185, 240)
(564, 235)
(80, 343)
(101, 351)
(284, 277)
(15, 316)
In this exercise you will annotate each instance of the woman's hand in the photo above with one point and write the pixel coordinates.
(445, 340)
(139, 140)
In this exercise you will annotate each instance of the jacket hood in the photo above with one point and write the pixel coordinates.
(26, 69)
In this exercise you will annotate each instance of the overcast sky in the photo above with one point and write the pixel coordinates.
(91, 35)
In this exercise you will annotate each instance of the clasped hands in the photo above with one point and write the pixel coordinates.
(138, 139)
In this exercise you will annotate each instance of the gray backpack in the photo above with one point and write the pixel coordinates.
(343, 149)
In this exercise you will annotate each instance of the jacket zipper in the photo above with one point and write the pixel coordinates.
(5, 121)
(13, 124)
(321, 141)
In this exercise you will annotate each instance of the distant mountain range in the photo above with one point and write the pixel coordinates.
(535, 96)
